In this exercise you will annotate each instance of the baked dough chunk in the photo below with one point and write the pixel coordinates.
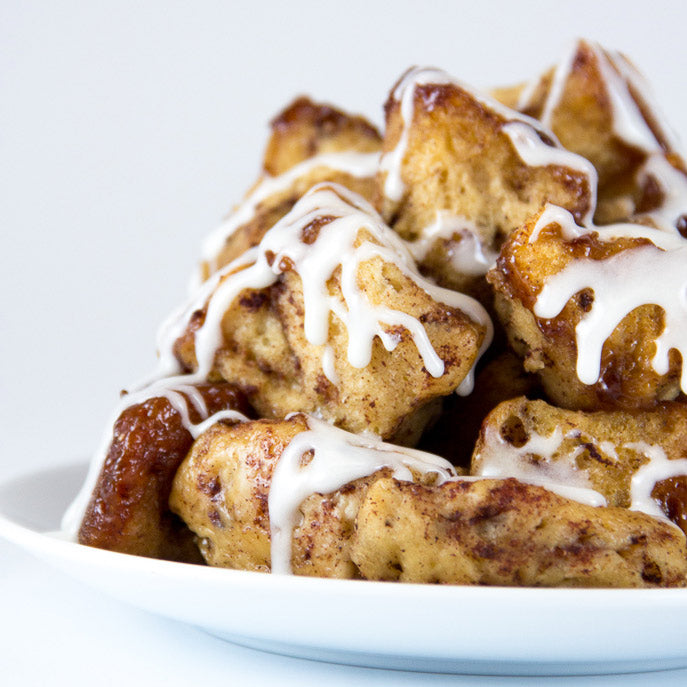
(549, 248)
(222, 490)
(310, 143)
(504, 532)
(305, 129)
(633, 459)
(459, 166)
(351, 332)
(599, 107)
(489, 531)
(128, 510)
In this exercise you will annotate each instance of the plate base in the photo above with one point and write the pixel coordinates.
(424, 628)
(455, 666)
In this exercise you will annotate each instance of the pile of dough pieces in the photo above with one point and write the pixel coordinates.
(450, 352)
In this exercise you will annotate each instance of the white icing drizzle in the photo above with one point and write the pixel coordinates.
(534, 153)
(328, 365)
(337, 458)
(234, 415)
(404, 93)
(349, 162)
(525, 97)
(529, 146)
(629, 125)
(634, 79)
(608, 448)
(171, 389)
(553, 214)
(618, 290)
(500, 459)
(334, 248)
(658, 467)
(557, 88)
(673, 185)
(628, 122)
(467, 254)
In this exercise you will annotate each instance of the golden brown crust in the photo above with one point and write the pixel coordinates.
(305, 129)
(128, 510)
(509, 95)
(456, 149)
(504, 532)
(221, 490)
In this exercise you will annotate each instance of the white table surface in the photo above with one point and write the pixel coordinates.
(127, 129)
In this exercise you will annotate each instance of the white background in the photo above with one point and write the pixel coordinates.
(127, 129)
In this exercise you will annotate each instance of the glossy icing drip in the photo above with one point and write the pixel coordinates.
(334, 248)
(673, 185)
(635, 81)
(552, 214)
(324, 459)
(315, 263)
(657, 468)
(628, 125)
(534, 153)
(349, 162)
(500, 459)
(616, 73)
(557, 88)
(404, 93)
(467, 254)
(328, 366)
(608, 448)
(616, 295)
(540, 461)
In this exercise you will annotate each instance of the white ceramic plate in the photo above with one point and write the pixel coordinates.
(482, 630)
